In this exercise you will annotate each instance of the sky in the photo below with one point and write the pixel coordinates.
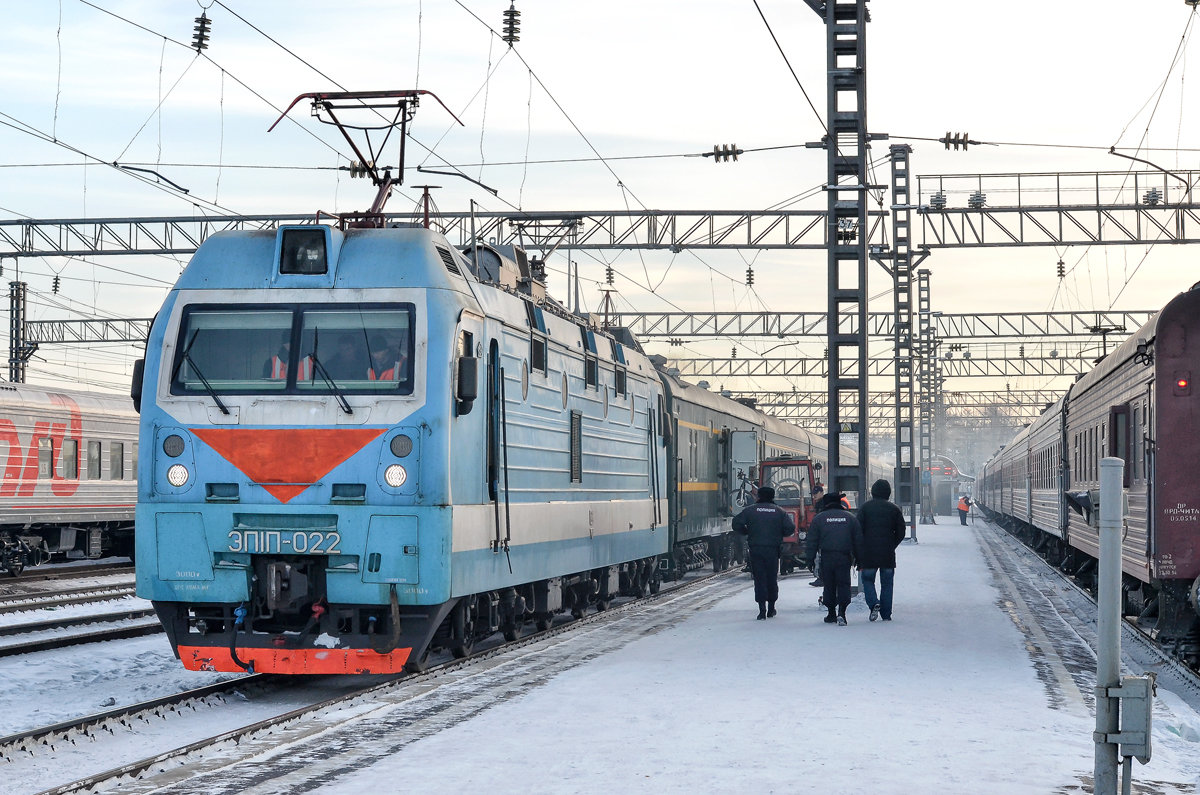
(598, 106)
(981, 683)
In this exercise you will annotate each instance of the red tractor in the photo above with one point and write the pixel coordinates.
(793, 480)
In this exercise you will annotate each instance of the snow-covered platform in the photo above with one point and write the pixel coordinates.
(980, 684)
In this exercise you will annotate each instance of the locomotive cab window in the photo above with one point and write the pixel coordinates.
(257, 349)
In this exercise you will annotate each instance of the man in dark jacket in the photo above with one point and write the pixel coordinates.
(882, 529)
(765, 525)
(835, 533)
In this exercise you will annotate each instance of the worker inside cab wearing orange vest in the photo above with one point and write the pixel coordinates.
(276, 367)
(388, 360)
(964, 507)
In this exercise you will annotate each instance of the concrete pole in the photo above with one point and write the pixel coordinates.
(1108, 625)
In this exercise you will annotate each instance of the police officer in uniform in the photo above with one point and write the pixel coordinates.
(836, 534)
(765, 525)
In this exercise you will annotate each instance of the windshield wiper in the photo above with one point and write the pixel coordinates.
(333, 387)
(187, 357)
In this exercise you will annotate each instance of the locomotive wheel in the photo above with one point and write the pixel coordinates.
(15, 564)
(418, 665)
(514, 630)
(543, 624)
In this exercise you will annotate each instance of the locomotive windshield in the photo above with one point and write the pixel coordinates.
(308, 349)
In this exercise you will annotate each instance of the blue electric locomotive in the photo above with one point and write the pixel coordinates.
(360, 443)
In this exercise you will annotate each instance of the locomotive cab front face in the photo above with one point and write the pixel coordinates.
(285, 495)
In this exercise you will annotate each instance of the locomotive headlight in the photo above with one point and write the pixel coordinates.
(395, 475)
(173, 445)
(177, 475)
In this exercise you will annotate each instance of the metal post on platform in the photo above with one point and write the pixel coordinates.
(1108, 627)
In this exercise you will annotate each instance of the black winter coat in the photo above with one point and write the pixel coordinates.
(765, 525)
(883, 529)
(834, 530)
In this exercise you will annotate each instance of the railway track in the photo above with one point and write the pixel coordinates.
(52, 572)
(61, 598)
(29, 637)
(1070, 653)
(216, 751)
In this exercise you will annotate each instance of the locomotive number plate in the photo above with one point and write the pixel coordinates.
(283, 542)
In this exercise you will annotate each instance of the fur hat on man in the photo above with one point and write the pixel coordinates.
(832, 500)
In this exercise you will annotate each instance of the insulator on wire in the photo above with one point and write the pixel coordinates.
(608, 274)
(723, 153)
(1062, 269)
(54, 286)
(200, 37)
(733, 352)
(750, 276)
(512, 18)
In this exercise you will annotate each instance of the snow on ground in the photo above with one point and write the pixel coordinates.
(944, 699)
(101, 606)
(48, 687)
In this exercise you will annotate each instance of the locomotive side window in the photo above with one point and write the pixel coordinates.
(45, 458)
(93, 460)
(619, 372)
(70, 459)
(591, 362)
(537, 338)
(116, 461)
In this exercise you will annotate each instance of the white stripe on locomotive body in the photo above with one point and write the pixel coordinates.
(28, 413)
(551, 525)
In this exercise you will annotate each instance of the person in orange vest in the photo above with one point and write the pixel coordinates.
(964, 506)
(387, 362)
(276, 367)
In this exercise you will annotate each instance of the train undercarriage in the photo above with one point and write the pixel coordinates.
(1167, 610)
(289, 626)
(718, 551)
(24, 547)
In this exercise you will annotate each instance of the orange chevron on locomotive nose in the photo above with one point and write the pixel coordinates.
(286, 461)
